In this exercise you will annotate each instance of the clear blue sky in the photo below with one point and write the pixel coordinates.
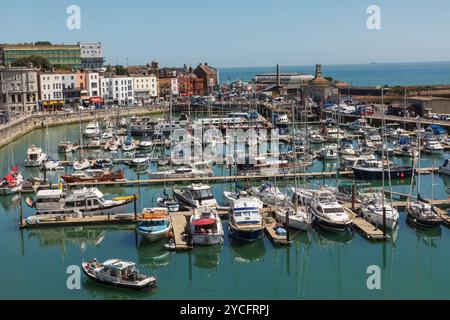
(237, 33)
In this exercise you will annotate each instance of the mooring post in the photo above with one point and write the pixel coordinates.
(135, 208)
(21, 212)
(353, 196)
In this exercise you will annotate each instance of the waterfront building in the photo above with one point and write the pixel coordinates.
(59, 54)
(18, 89)
(117, 90)
(191, 85)
(91, 55)
(322, 90)
(145, 87)
(209, 75)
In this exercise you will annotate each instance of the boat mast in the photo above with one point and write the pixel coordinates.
(418, 160)
(383, 129)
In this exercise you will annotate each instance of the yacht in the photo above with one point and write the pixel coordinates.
(328, 213)
(94, 175)
(351, 161)
(206, 227)
(195, 196)
(35, 157)
(269, 194)
(302, 196)
(344, 192)
(188, 171)
(92, 130)
(433, 146)
(246, 221)
(373, 135)
(145, 143)
(316, 138)
(333, 134)
(373, 169)
(154, 224)
(86, 201)
(347, 150)
(372, 210)
(299, 217)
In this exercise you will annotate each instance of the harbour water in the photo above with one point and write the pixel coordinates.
(319, 265)
(378, 74)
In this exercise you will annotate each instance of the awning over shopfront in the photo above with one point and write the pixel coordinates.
(96, 99)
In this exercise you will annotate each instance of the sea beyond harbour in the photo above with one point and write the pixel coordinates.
(373, 74)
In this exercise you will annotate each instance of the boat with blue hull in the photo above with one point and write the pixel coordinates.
(246, 221)
(154, 224)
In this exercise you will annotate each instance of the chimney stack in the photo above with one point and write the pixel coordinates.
(318, 70)
(278, 75)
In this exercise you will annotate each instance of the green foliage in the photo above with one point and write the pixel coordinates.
(42, 43)
(121, 71)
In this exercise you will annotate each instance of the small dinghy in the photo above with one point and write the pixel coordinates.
(118, 273)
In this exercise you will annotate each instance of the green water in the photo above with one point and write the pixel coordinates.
(319, 265)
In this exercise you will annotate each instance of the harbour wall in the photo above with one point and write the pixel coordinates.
(21, 126)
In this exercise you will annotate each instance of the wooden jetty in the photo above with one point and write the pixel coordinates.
(270, 225)
(180, 230)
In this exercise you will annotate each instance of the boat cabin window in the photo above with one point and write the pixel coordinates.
(445, 163)
(203, 194)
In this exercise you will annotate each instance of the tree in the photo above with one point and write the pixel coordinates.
(329, 78)
(42, 43)
(37, 61)
(62, 67)
(121, 71)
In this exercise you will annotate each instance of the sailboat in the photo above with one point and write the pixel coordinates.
(421, 213)
(13, 181)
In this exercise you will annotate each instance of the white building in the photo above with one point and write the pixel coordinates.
(117, 90)
(51, 86)
(18, 89)
(91, 56)
(93, 84)
(145, 87)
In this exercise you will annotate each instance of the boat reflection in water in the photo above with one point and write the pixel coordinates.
(206, 257)
(81, 236)
(153, 255)
(325, 237)
(247, 252)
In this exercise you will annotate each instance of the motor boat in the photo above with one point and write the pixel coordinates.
(195, 196)
(140, 160)
(94, 175)
(302, 196)
(347, 150)
(81, 164)
(316, 138)
(119, 274)
(328, 213)
(92, 129)
(329, 152)
(145, 143)
(423, 214)
(12, 182)
(168, 202)
(344, 192)
(128, 144)
(35, 157)
(373, 169)
(103, 163)
(246, 221)
(154, 223)
(107, 135)
(232, 197)
(206, 227)
(433, 146)
(65, 147)
(81, 202)
(269, 194)
(406, 151)
(51, 164)
(445, 168)
(372, 210)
